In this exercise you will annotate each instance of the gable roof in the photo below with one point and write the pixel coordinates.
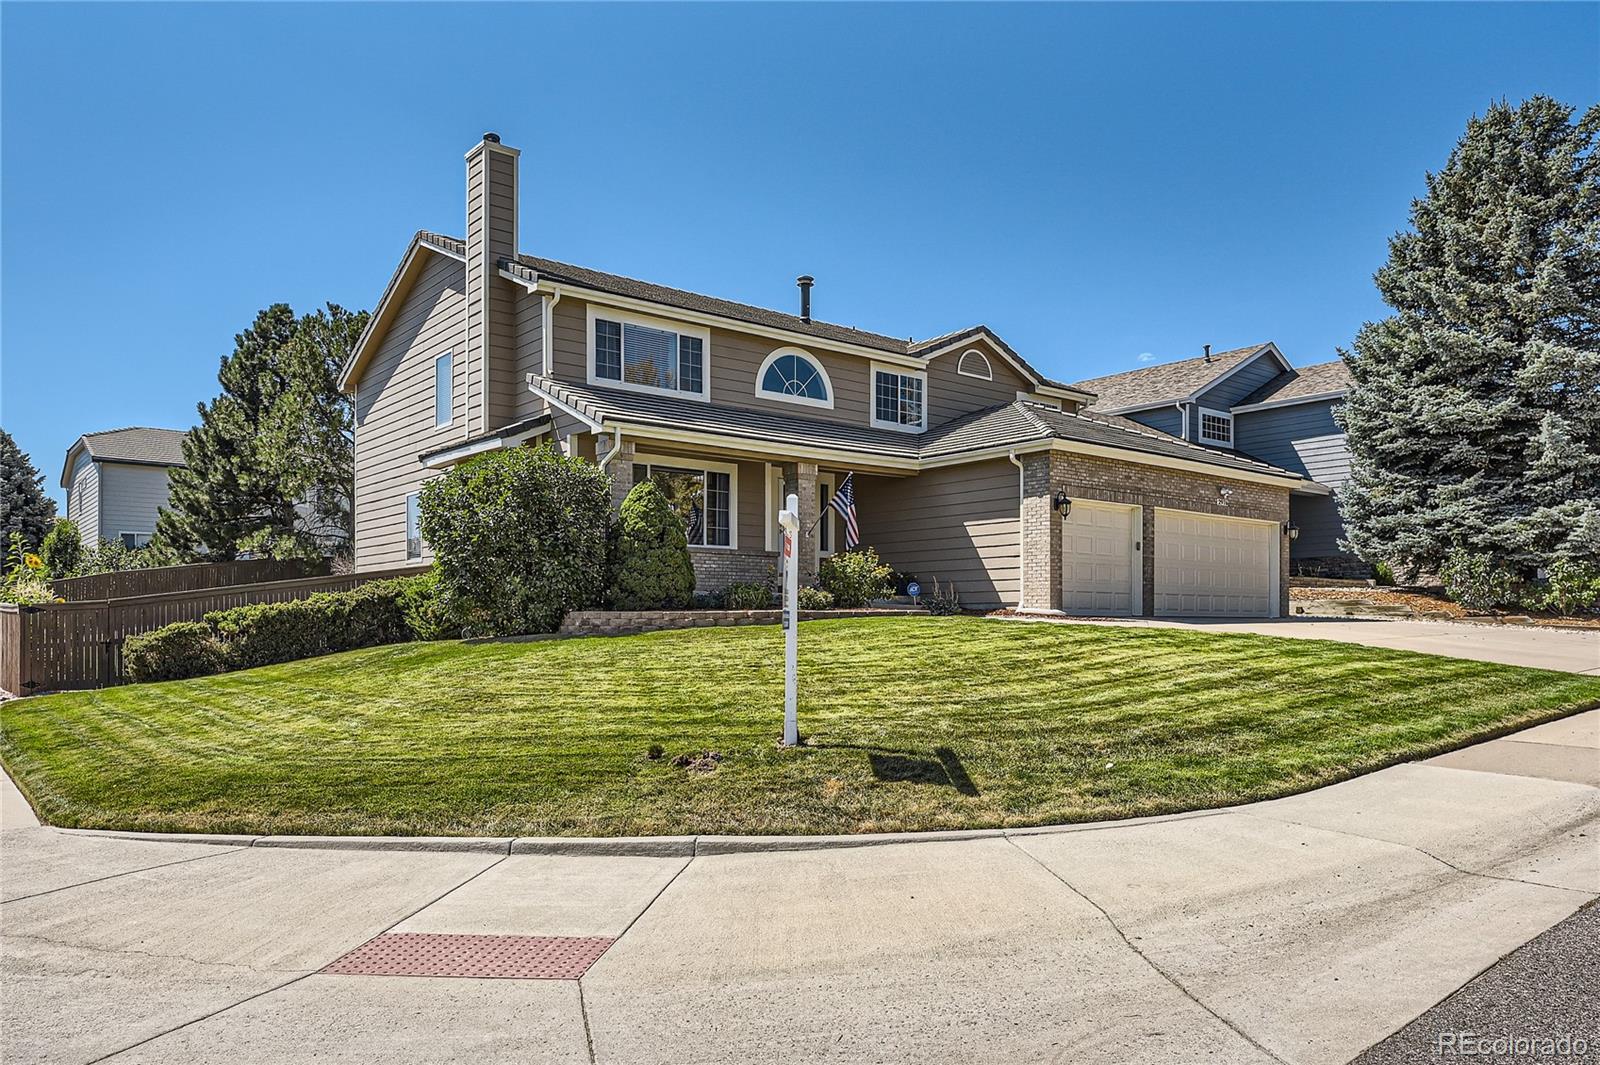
(1325, 380)
(136, 446)
(1009, 425)
(531, 269)
(1171, 382)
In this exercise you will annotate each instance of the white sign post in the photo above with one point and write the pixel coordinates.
(789, 518)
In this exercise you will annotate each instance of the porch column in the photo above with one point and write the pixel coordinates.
(801, 479)
(1041, 534)
(621, 470)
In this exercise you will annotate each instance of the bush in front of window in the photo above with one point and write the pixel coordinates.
(855, 578)
(652, 568)
(519, 538)
(173, 652)
(746, 595)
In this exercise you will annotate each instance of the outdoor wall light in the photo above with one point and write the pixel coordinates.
(1062, 503)
(1291, 530)
(1223, 491)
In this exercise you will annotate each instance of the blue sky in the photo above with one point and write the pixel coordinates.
(1094, 182)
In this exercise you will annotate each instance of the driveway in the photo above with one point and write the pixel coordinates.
(1300, 930)
(1544, 647)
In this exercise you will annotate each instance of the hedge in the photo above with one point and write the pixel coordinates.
(379, 612)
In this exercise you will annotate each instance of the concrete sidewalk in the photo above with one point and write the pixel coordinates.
(1300, 930)
(1542, 647)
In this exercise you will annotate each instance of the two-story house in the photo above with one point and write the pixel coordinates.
(970, 465)
(116, 482)
(1251, 401)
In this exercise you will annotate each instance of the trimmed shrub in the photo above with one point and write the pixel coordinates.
(746, 595)
(855, 578)
(423, 609)
(653, 570)
(62, 549)
(173, 652)
(814, 599)
(1478, 581)
(1570, 588)
(519, 538)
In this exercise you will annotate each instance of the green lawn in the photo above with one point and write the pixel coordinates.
(908, 723)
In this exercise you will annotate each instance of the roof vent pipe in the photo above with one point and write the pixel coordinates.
(1208, 352)
(805, 281)
(492, 138)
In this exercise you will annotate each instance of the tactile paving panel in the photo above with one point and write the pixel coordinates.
(484, 957)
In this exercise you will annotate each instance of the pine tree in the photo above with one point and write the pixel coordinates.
(307, 436)
(225, 495)
(653, 568)
(1474, 414)
(24, 508)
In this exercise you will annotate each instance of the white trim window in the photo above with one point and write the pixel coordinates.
(704, 495)
(794, 375)
(975, 363)
(899, 399)
(133, 540)
(444, 388)
(648, 354)
(1216, 427)
(413, 526)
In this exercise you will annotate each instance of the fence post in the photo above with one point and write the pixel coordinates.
(25, 662)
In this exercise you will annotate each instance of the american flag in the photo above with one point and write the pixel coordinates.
(844, 501)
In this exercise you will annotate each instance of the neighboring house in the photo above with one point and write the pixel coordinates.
(970, 466)
(116, 482)
(1252, 402)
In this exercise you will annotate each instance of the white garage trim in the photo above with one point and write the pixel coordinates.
(1102, 567)
(1215, 565)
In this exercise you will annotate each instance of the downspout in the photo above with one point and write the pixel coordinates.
(1022, 565)
(616, 446)
(1183, 409)
(548, 328)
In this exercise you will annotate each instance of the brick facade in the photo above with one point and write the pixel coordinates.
(1111, 481)
(715, 569)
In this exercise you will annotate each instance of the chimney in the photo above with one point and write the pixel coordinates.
(805, 281)
(1208, 352)
(490, 370)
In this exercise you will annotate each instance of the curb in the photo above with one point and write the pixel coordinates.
(623, 846)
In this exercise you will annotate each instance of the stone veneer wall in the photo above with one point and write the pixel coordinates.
(1112, 481)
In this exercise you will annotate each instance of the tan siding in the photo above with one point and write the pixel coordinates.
(951, 395)
(394, 409)
(530, 355)
(956, 523)
(83, 499)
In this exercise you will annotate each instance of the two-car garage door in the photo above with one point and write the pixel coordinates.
(1206, 565)
(1213, 566)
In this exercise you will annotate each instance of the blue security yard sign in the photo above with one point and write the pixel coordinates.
(913, 589)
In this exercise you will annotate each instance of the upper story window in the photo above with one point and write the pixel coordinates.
(1216, 427)
(444, 400)
(628, 351)
(975, 363)
(898, 399)
(794, 375)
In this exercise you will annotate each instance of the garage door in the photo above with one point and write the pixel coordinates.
(1211, 566)
(1100, 560)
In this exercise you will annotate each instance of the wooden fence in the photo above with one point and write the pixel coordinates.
(191, 578)
(62, 646)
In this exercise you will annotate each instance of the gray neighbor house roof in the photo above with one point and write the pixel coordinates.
(1170, 382)
(1007, 425)
(138, 445)
(1323, 379)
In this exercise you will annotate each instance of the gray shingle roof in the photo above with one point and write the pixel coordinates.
(1167, 383)
(1007, 425)
(157, 447)
(617, 284)
(1315, 380)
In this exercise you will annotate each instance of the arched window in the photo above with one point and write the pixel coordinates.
(795, 376)
(974, 363)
